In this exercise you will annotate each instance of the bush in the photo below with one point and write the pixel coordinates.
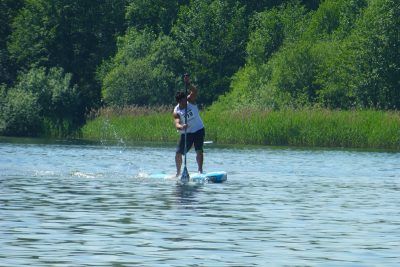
(55, 94)
(20, 114)
(41, 101)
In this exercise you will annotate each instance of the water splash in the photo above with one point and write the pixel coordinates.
(109, 135)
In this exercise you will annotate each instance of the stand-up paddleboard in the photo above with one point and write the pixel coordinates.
(209, 177)
(212, 177)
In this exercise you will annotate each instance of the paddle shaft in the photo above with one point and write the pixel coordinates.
(186, 108)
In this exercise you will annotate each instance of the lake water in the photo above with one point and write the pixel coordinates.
(82, 204)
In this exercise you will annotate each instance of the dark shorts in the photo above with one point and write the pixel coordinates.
(196, 138)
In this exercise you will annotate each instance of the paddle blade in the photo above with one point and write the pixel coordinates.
(185, 176)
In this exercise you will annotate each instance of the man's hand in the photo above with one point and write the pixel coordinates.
(186, 79)
(183, 126)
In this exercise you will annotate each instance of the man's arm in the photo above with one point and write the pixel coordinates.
(192, 94)
(177, 122)
(192, 90)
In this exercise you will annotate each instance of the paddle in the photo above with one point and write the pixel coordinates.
(185, 174)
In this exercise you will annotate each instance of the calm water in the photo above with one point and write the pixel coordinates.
(66, 204)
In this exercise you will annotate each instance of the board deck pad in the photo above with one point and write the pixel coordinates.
(211, 177)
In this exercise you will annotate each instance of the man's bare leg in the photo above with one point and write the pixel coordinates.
(199, 159)
(178, 163)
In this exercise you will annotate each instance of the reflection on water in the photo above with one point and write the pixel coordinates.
(186, 193)
(69, 204)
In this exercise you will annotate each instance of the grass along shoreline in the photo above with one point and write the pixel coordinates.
(306, 128)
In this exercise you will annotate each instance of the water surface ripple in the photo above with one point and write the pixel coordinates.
(67, 204)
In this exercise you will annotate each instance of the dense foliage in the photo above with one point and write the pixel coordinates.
(41, 100)
(344, 55)
(8, 10)
(61, 59)
(143, 71)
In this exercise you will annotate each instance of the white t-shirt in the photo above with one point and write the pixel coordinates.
(194, 121)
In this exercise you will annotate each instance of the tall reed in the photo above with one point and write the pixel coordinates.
(306, 127)
(130, 123)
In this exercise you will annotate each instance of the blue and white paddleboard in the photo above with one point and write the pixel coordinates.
(211, 177)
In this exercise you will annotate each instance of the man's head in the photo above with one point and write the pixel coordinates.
(179, 96)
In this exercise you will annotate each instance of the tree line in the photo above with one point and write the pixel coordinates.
(61, 59)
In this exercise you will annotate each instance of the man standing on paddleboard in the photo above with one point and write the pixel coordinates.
(194, 127)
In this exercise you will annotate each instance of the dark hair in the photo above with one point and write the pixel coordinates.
(179, 96)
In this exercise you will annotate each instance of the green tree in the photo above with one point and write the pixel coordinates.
(143, 72)
(41, 100)
(75, 35)
(261, 82)
(360, 65)
(343, 55)
(334, 74)
(253, 6)
(8, 10)
(335, 19)
(156, 15)
(212, 35)
(295, 73)
(55, 93)
(329, 31)
(271, 28)
(376, 64)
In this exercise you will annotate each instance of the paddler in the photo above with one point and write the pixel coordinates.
(194, 126)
